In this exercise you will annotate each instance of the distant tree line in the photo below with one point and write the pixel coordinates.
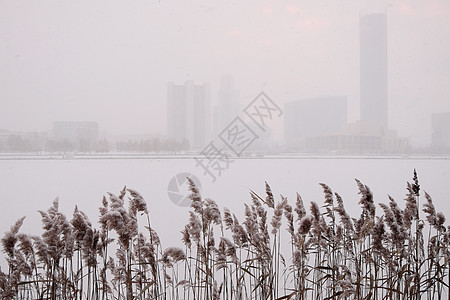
(152, 145)
(15, 143)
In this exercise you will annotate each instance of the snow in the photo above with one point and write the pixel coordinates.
(31, 185)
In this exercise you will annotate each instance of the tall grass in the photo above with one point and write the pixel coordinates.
(277, 251)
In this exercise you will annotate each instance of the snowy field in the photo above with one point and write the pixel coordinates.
(31, 185)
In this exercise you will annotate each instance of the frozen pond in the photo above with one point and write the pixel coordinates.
(31, 185)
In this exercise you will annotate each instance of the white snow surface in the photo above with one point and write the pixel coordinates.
(31, 185)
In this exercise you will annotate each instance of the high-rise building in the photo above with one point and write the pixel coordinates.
(373, 69)
(440, 136)
(227, 104)
(312, 118)
(189, 113)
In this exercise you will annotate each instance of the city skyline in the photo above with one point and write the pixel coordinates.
(114, 66)
(227, 107)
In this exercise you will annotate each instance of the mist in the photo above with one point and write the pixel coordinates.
(170, 121)
(110, 62)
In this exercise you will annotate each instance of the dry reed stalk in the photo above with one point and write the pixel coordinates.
(331, 255)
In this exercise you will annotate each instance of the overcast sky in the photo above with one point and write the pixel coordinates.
(110, 61)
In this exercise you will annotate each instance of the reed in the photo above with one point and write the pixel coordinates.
(277, 251)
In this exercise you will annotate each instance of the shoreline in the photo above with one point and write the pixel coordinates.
(144, 156)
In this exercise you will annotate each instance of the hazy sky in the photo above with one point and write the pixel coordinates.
(110, 61)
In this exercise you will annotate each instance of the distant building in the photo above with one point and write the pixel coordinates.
(373, 69)
(440, 136)
(319, 125)
(227, 108)
(358, 144)
(312, 118)
(359, 138)
(189, 113)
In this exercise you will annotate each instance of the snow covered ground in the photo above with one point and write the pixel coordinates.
(30, 185)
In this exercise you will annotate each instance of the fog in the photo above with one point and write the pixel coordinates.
(110, 61)
(233, 95)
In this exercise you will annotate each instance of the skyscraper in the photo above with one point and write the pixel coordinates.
(189, 113)
(373, 69)
(440, 137)
(227, 104)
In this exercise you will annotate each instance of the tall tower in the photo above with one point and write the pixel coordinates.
(227, 104)
(189, 113)
(373, 69)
